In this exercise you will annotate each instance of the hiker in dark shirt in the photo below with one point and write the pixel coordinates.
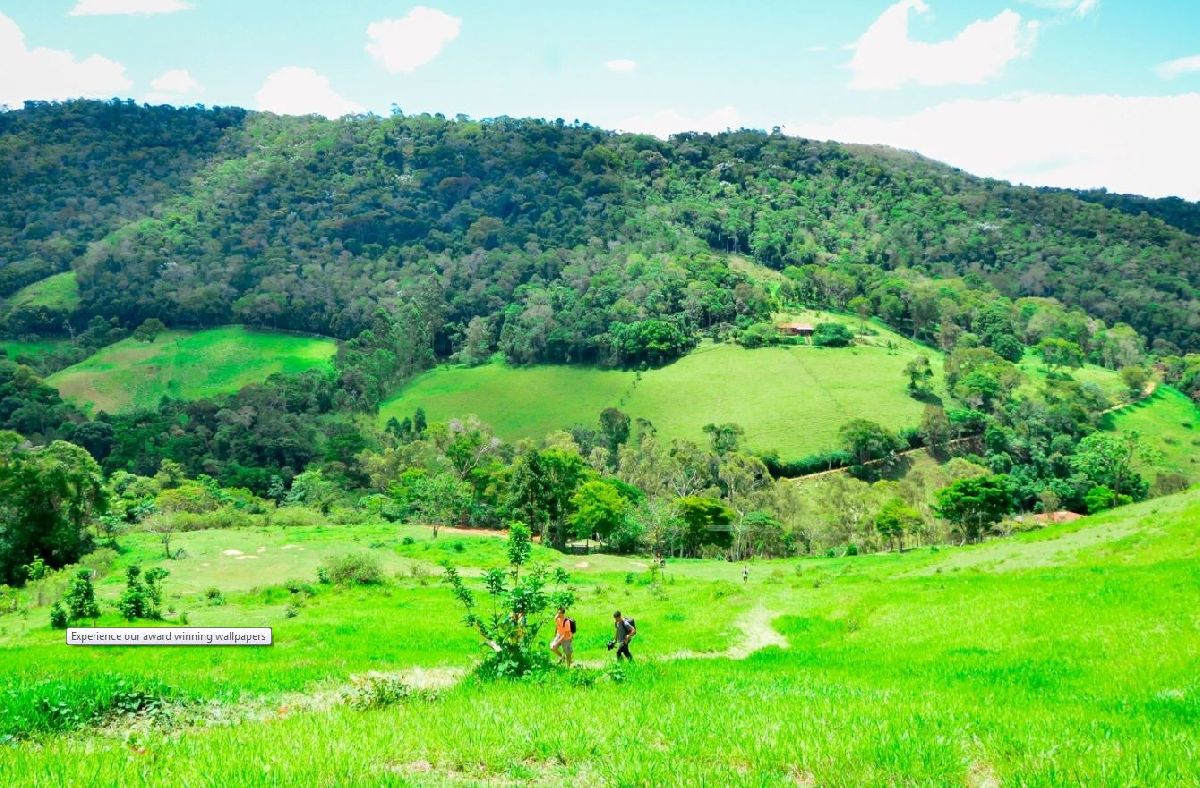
(624, 630)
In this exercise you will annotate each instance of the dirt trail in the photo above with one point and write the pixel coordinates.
(757, 634)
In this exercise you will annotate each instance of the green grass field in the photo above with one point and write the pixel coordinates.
(789, 399)
(186, 365)
(1061, 656)
(59, 291)
(1168, 423)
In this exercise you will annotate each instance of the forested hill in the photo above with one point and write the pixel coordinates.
(551, 242)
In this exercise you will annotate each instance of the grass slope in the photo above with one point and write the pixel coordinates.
(790, 399)
(1168, 423)
(1060, 656)
(186, 365)
(59, 291)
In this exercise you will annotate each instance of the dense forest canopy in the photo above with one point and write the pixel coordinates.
(548, 241)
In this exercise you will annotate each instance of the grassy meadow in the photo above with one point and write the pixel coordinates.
(1168, 423)
(1059, 656)
(790, 399)
(60, 291)
(186, 365)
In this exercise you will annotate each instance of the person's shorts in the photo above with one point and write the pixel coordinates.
(568, 647)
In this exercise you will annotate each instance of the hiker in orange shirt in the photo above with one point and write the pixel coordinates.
(563, 644)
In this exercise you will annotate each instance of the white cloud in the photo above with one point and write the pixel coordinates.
(403, 45)
(302, 91)
(1178, 67)
(50, 74)
(1076, 7)
(885, 57)
(173, 87)
(1142, 145)
(621, 65)
(104, 7)
(666, 122)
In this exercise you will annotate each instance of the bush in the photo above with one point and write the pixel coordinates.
(296, 517)
(142, 597)
(377, 691)
(58, 616)
(299, 587)
(832, 335)
(80, 600)
(214, 597)
(352, 570)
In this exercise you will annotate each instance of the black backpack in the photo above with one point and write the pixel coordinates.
(571, 621)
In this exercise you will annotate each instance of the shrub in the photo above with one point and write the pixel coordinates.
(832, 335)
(80, 600)
(214, 597)
(142, 597)
(377, 691)
(299, 587)
(296, 517)
(58, 616)
(353, 570)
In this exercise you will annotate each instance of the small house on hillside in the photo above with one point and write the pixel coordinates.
(795, 329)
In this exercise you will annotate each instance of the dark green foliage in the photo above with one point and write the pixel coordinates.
(73, 172)
(707, 522)
(542, 236)
(149, 330)
(866, 442)
(80, 599)
(48, 497)
(142, 597)
(832, 335)
(59, 617)
(30, 407)
(976, 503)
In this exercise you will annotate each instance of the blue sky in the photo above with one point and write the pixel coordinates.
(1082, 93)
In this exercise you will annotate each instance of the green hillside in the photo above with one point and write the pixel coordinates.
(60, 292)
(1168, 423)
(789, 399)
(1060, 655)
(185, 365)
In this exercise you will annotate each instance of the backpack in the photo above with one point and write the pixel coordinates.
(571, 621)
(631, 624)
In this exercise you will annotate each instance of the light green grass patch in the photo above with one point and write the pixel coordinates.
(1070, 661)
(792, 399)
(186, 365)
(1168, 423)
(59, 292)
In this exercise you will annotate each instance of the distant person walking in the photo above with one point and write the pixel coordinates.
(624, 630)
(563, 644)
(746, 574)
